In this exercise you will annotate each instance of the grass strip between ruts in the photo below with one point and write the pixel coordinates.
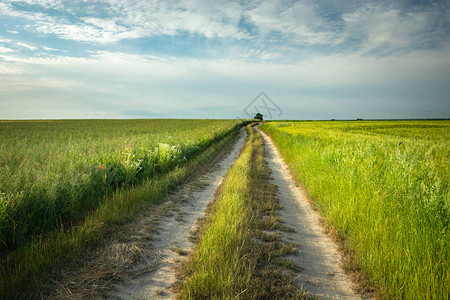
(239, 254)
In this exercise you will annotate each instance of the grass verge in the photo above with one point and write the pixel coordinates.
(239, 254)
(25, 272)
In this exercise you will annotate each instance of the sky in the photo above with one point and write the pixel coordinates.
(323, 59)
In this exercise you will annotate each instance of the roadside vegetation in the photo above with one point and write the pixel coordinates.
(384, 187)
(115, 168)
(54, 172)
(239, 254)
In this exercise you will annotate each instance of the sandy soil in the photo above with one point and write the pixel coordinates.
(171, 240)
(318, 257)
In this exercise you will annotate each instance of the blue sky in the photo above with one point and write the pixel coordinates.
(210, 59)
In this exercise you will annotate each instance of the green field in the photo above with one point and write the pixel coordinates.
(384, 187)
(53, 172)
(94, 174)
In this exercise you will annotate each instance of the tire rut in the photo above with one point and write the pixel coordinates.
(318, 257)
(172, 238)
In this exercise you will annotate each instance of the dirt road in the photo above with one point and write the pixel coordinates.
(154, 244)
(172, 237)
(321, 274)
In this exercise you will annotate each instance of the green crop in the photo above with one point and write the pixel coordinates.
(384, 186)
(52, 173)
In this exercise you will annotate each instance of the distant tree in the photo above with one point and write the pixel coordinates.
(258, 116)
(359, 119)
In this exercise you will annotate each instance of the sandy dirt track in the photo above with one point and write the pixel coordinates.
(160, 239)
(172, 236)
(318, 257)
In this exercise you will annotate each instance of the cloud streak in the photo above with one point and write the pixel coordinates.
(297, 23)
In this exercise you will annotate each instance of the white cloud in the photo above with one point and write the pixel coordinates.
(320, 71)
(293, 47)
(135, 20)
(298, 22)
(211, 19)
(390, 29)
(12, 31)
(115, 82)
(49, 49)
(271, 22)
(5, 49)
(83, 33)
(7, 70)
(8, 10)
(43, 3)
(29, 47)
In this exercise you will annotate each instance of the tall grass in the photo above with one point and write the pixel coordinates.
(53, 173)
(228, 262)
(219, 268)
(24, 271)
(384, 186)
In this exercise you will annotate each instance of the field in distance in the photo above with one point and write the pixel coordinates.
(384, 187)
(52, 173)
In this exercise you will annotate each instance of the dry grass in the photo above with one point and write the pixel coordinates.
(179, 251)
(126, 253)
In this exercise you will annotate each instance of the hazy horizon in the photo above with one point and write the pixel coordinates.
(314, 60)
